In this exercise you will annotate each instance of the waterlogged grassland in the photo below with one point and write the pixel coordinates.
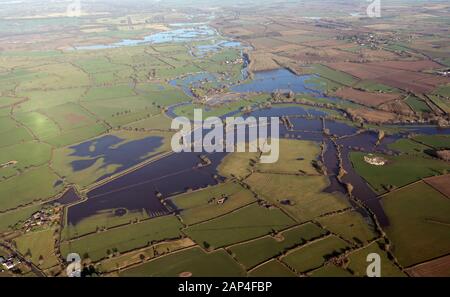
(32, 185)
(246, 223)
(205, 204)
(272, 268)
(193, 262)
(100, 221)
(314, 254)
(295, 157)
(126, 238)
(399, 171)
(300, 196)
(39, 246)
(419, 223)
(358, 262)
(255, 252)
(350, 225)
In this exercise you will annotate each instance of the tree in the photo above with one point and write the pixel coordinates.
(41, 260)
(206, 245)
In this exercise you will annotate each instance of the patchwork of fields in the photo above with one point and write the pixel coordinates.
(86, 164)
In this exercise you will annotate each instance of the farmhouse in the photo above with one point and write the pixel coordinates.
(374, 160)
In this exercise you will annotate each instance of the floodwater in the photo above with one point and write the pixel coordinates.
(177, 173)
(190, 33)
(138, 190)
(112, 150)
(279, 79)
(69, 197)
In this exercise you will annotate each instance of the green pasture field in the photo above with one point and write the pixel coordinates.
(443, 90)
(174, 72)
(400, 170)
(358, 262)
(324, 84)
(194, 260)
(166, 96)
(272, 268)
(419, 222)
(307, 201)
(40, 244)
(244, 224)
(41, 125)
(8, 101)
(442, 103)
(42, 100)
(62, 158)
(258, 251)
(11, 133)
(104, 219)
(77, 135)
(104, 78)
(350, 225)
(435, 141)
(417, 104)
(237, 164)
(63, 75)
(202, 205)
(313, 255)
(156, 122)
(34, 184)
(7, 124)
(153, 251)
(110, 92)
(334, 75)
(330, 270)
(122, 111)
(14, 218)
(371, 86)
(296, 156)
(70, 116)
(124, 238)
(4, 112)
(98, 64)
(409, 146)
(26, 154)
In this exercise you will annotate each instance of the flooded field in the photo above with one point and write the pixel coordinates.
(112, 150)
(190, 33)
